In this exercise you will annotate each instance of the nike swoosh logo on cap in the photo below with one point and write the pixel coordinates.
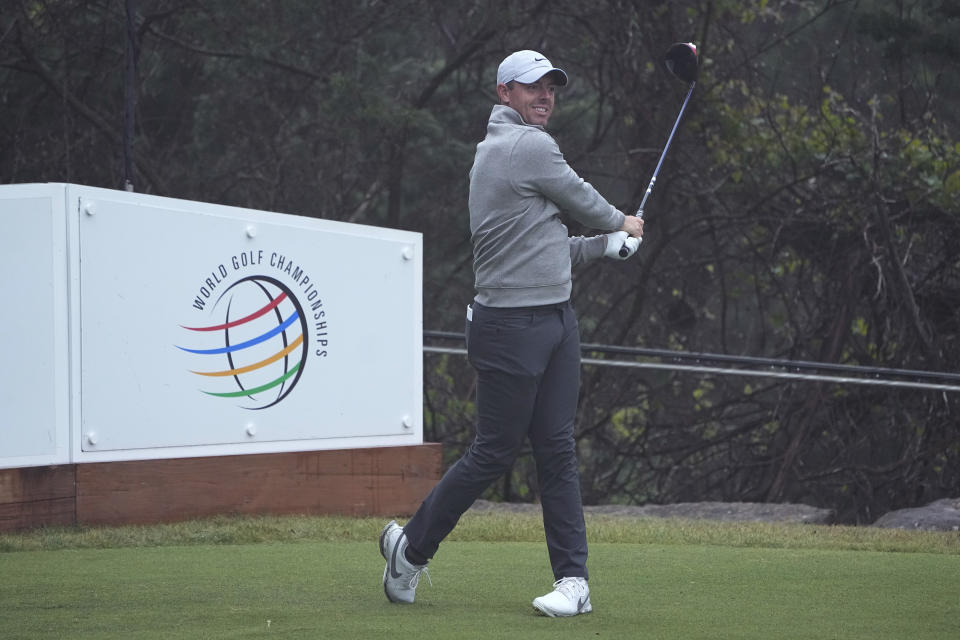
(539, 59)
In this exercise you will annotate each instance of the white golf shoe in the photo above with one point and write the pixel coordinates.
(570, 597)
(400, 577)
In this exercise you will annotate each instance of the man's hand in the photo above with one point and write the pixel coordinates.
(627, 239)
(633, 226)
(615, 241)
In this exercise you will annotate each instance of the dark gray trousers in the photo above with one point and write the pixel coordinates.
(528, 366)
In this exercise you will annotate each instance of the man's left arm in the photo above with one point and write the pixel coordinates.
(583, 249)
(608, 245)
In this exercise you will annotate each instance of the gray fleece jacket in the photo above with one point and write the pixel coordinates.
(519, 185)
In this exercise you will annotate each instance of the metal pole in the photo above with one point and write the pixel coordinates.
(130, 97)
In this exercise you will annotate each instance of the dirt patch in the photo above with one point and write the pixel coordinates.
(726, 511)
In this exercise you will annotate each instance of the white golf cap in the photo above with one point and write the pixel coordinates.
(527, 67)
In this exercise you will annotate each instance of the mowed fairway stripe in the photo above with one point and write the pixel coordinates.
(480, 589)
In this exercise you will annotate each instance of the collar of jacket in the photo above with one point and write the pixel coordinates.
(503, 113)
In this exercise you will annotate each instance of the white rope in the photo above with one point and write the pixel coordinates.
(906, 384)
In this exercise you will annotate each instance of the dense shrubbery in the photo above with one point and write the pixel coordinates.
(810, 208)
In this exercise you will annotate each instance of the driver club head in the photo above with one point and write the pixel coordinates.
(681, 61)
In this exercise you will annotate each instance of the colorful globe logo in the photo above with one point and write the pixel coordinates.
(257, 349)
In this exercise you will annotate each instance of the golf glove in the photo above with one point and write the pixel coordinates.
(619, 239)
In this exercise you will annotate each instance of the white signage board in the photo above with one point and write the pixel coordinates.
(34, 362)
(199, 329)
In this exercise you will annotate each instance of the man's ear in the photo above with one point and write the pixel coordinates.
(503, 92)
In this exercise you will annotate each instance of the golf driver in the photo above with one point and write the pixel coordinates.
(681, 61)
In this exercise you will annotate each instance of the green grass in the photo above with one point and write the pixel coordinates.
(304, 577)
(485, 527)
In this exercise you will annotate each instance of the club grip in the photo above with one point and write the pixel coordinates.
(628, 243)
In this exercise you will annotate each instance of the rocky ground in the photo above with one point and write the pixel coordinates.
(942, 515)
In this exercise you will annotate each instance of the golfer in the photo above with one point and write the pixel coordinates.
(522, 334)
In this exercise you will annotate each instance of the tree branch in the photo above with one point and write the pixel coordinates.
(92, 116)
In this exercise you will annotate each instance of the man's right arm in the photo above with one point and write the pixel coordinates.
(547, 171)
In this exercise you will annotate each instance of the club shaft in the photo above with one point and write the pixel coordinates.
(663, 154)
(676, 124)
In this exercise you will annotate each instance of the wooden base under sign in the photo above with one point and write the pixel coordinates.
(381, 481)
